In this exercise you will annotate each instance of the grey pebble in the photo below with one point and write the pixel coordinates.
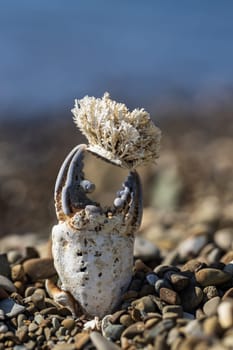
(19, 347)
(159, 328)
(192, 245)
(55, 323)
(214, 255)
(102, 343)
(229, 268)
(113, 331)
(11, 308)
(145, 250)
(188, 316)
(152, 278)
(3, 328)
(194, 329)
(6, 284)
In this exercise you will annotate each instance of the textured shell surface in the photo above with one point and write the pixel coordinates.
(95, 267)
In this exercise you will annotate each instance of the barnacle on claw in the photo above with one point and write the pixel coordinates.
(92, 246)
(125, 138)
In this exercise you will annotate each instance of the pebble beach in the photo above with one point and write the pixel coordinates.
(181, 293)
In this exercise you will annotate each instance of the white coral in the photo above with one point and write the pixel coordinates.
(128, 139)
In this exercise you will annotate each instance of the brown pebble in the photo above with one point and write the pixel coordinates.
(68, 323)
(19, 285)
(179, 282)
(116, 316)
(173, 308)
(152, 322)
(228, 294)
(191, 265)
(228, 257)
(211, 326)
(133, 330)
(145, 304)
(210, 276)
(37, 269)
(140, 266)
(169, 296)
(126, 320)
(170, 315)
(17, 273)
(22, 333)
(81, 339)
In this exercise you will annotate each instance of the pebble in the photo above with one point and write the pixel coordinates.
(224, 238)
(17, 273)
(113, 331)
(191, 297)
(133, 330)
(68, 323)
(169, 296)
(178, 281)
(10, 308)
(229, 268)
(145, 304)
(152, 278)
(145, 250)
(225, 313)
(39, 268)
(159, 328)
(194, 328)
(177, 309)
(6, 284)
(211, 306)
(210, 292)
(102, 343)
(228, 294)
(228, 257)
(192, 265)
(211, 276)
(126, 320)
(81, 339)
(211, 326)
(191, 246)
(3, 328)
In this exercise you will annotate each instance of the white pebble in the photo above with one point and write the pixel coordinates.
(225, 314)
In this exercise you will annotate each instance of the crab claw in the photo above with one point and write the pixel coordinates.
(93, 246)
(129, 201)
(71, 187)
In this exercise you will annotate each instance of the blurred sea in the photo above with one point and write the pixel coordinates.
(144, 53)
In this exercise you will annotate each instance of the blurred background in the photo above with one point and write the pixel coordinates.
(173, 59)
